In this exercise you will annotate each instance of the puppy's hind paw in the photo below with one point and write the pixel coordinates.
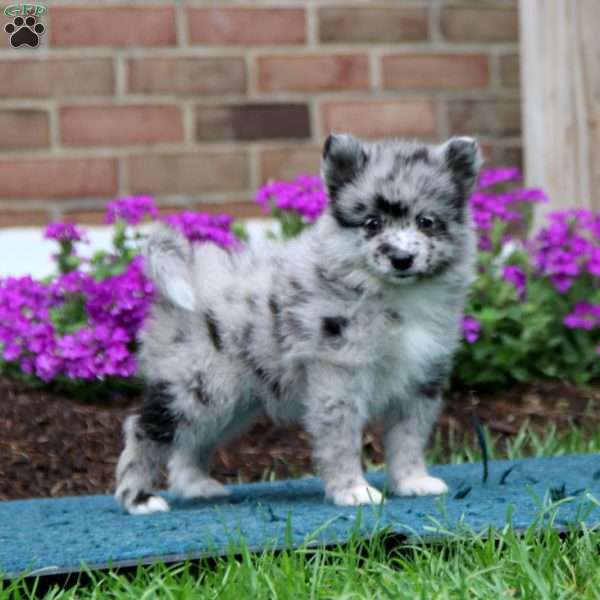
(356, 495)
(421, 485)
(148, 505)
(203, 488)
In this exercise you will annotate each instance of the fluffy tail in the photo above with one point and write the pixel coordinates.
(137, 470)
(169, 258)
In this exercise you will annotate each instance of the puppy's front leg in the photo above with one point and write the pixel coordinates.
(336, 425)
(406, 434)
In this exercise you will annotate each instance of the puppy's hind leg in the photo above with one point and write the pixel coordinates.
(137, 470)
(189, 463)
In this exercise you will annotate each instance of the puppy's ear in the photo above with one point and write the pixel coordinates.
(344, 157)
(463, 159)
(168, 263)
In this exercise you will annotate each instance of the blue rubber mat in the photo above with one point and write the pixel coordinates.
(61, 535)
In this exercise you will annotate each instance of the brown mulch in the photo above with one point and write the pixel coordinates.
(52, 445)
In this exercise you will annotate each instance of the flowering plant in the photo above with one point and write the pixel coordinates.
(536, 301)
(81, 324)
(295, 204)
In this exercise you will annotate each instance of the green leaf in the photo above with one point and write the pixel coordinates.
(239, 230)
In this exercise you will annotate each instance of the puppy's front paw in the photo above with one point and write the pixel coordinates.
(358, 494)
(421, 485)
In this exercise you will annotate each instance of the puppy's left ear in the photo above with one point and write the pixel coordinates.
(463, 159)
(344, 157)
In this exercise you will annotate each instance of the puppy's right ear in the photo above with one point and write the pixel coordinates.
(344, 157)
(168, 263)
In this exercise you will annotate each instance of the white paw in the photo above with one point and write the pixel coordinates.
(152, 505)
(202, 488)
(359, 494)
(421, 485)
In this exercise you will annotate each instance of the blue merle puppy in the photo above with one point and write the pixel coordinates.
(354, 320)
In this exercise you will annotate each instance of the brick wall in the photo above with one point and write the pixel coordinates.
(198, 103)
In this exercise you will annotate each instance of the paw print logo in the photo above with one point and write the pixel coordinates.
(24, 31)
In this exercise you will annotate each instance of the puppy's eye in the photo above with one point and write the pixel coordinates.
(373, 225)
(426, 223)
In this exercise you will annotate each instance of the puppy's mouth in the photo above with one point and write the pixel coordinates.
(392, 277)
(403, 277)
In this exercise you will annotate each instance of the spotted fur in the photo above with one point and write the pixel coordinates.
(354, 320)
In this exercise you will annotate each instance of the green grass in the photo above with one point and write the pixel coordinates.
(571, 440)
(537, 563)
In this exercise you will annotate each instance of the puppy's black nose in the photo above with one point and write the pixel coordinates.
(400, 259)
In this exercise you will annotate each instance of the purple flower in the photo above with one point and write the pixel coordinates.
(593, 264)
(64, 232)
(131, 209)
(114, 311)
(471, 328)
(584, 316)
(202, 227)
(561, 283)
(490, 205)
(517, 277)
(567, 247)
(306, 196)
(121, 301)
(70, 283)
(492, 177)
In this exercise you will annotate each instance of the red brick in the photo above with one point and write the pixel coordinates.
(114, 125)
(509, 71)
(375, 24)
(246, 26)
(85, 217)
(169, 209)
(112, 26)
(58, 177)
(480, 23)
(252, 122)
(313, 73)
(485, 117)
(435, 71)
(239, 210)
(42, 77)
(287, 163)
(23, 218)
(187, 75)
(189, 173)
(381, 118)
(23, 129)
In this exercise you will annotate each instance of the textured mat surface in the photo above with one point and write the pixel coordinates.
(59, 535)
